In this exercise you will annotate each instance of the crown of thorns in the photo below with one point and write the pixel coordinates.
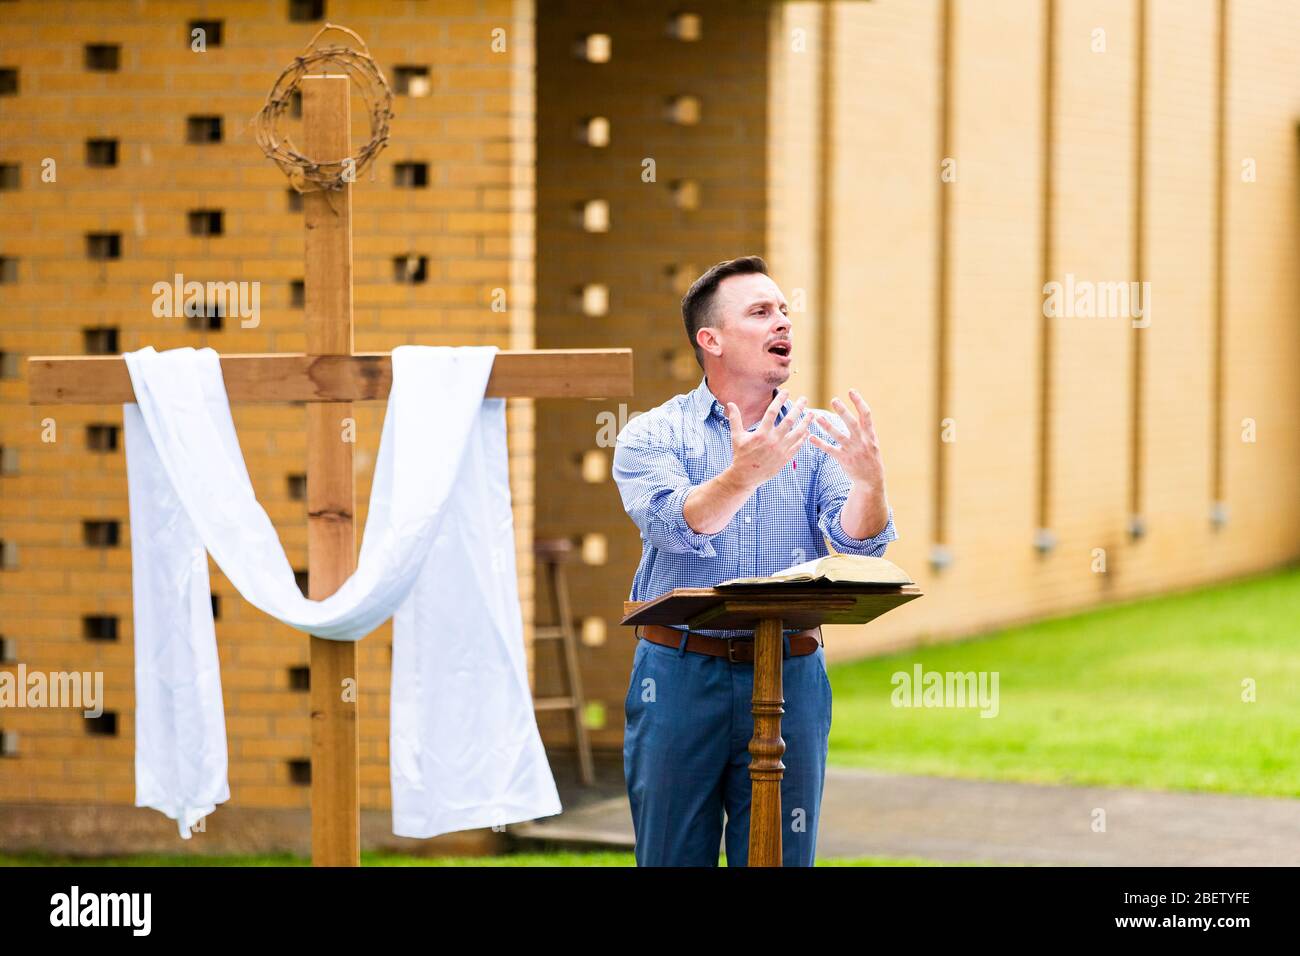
(305, 173)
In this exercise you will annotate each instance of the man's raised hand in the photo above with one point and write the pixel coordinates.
(760, 455)
(857, 450)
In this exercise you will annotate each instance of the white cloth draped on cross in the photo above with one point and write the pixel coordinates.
(437, 555)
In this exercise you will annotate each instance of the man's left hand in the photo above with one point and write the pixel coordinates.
(857, 451)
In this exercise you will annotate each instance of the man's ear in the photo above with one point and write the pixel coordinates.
(709, 340)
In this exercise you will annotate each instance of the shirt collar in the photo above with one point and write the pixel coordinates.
(704, 403)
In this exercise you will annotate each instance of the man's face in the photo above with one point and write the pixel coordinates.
(753, 329)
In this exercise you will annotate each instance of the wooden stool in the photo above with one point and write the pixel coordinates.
(554, 553)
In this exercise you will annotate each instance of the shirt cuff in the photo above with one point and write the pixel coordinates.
(873, 547)
(673, 523)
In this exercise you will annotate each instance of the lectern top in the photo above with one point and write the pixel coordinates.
(797, 606)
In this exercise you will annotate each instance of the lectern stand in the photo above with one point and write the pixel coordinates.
(767, 610)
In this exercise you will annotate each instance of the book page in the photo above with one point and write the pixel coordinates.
(838, 568)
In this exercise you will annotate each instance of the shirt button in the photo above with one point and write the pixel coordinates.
(746, 519)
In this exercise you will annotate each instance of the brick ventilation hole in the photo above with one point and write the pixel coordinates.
(105, 725)
(103, 57)
(211, 32)
(595, 132)
(99, 341)
(101, 533)
(410, 269)
(594, 48)
(411, 81)
(103, 246)
(203, 129)
(99, 627)
(305, 11)
(102, 438)
(206, 222)
(101, 152)
(411, 175)
(205, 316)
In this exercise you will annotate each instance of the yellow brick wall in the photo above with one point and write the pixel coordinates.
(797, 100)
(882, 315)
(474, 222)
(882, 297)
(647, 239)
(1261, 289)
(1178, 405)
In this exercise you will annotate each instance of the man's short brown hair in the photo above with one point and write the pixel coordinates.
(698, 303)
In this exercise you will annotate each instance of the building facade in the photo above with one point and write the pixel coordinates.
(916, 172)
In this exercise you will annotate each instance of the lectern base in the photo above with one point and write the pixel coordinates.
(766, 747)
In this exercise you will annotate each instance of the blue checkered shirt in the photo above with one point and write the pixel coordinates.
(664, 453)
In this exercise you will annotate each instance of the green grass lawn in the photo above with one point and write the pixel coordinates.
(1145, 695)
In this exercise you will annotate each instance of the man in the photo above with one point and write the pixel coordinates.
(732, 480)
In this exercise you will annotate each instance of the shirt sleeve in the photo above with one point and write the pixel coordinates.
(833, 487)
(653, 485)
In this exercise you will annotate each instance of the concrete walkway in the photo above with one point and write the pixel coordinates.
(865, 813)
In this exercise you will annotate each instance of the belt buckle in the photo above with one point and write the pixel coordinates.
(731, 651)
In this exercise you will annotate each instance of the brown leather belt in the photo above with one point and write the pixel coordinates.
(736, 650)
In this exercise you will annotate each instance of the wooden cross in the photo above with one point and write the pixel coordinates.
(329, 377)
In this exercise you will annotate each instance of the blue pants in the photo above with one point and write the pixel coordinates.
(686, 755)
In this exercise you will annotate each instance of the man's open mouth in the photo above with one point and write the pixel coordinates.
(780, 348)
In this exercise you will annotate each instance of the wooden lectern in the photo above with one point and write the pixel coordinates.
(767, 609)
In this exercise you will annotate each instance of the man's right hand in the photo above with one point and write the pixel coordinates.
(760, 455)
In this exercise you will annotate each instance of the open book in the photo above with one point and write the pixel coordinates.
(837, 568)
